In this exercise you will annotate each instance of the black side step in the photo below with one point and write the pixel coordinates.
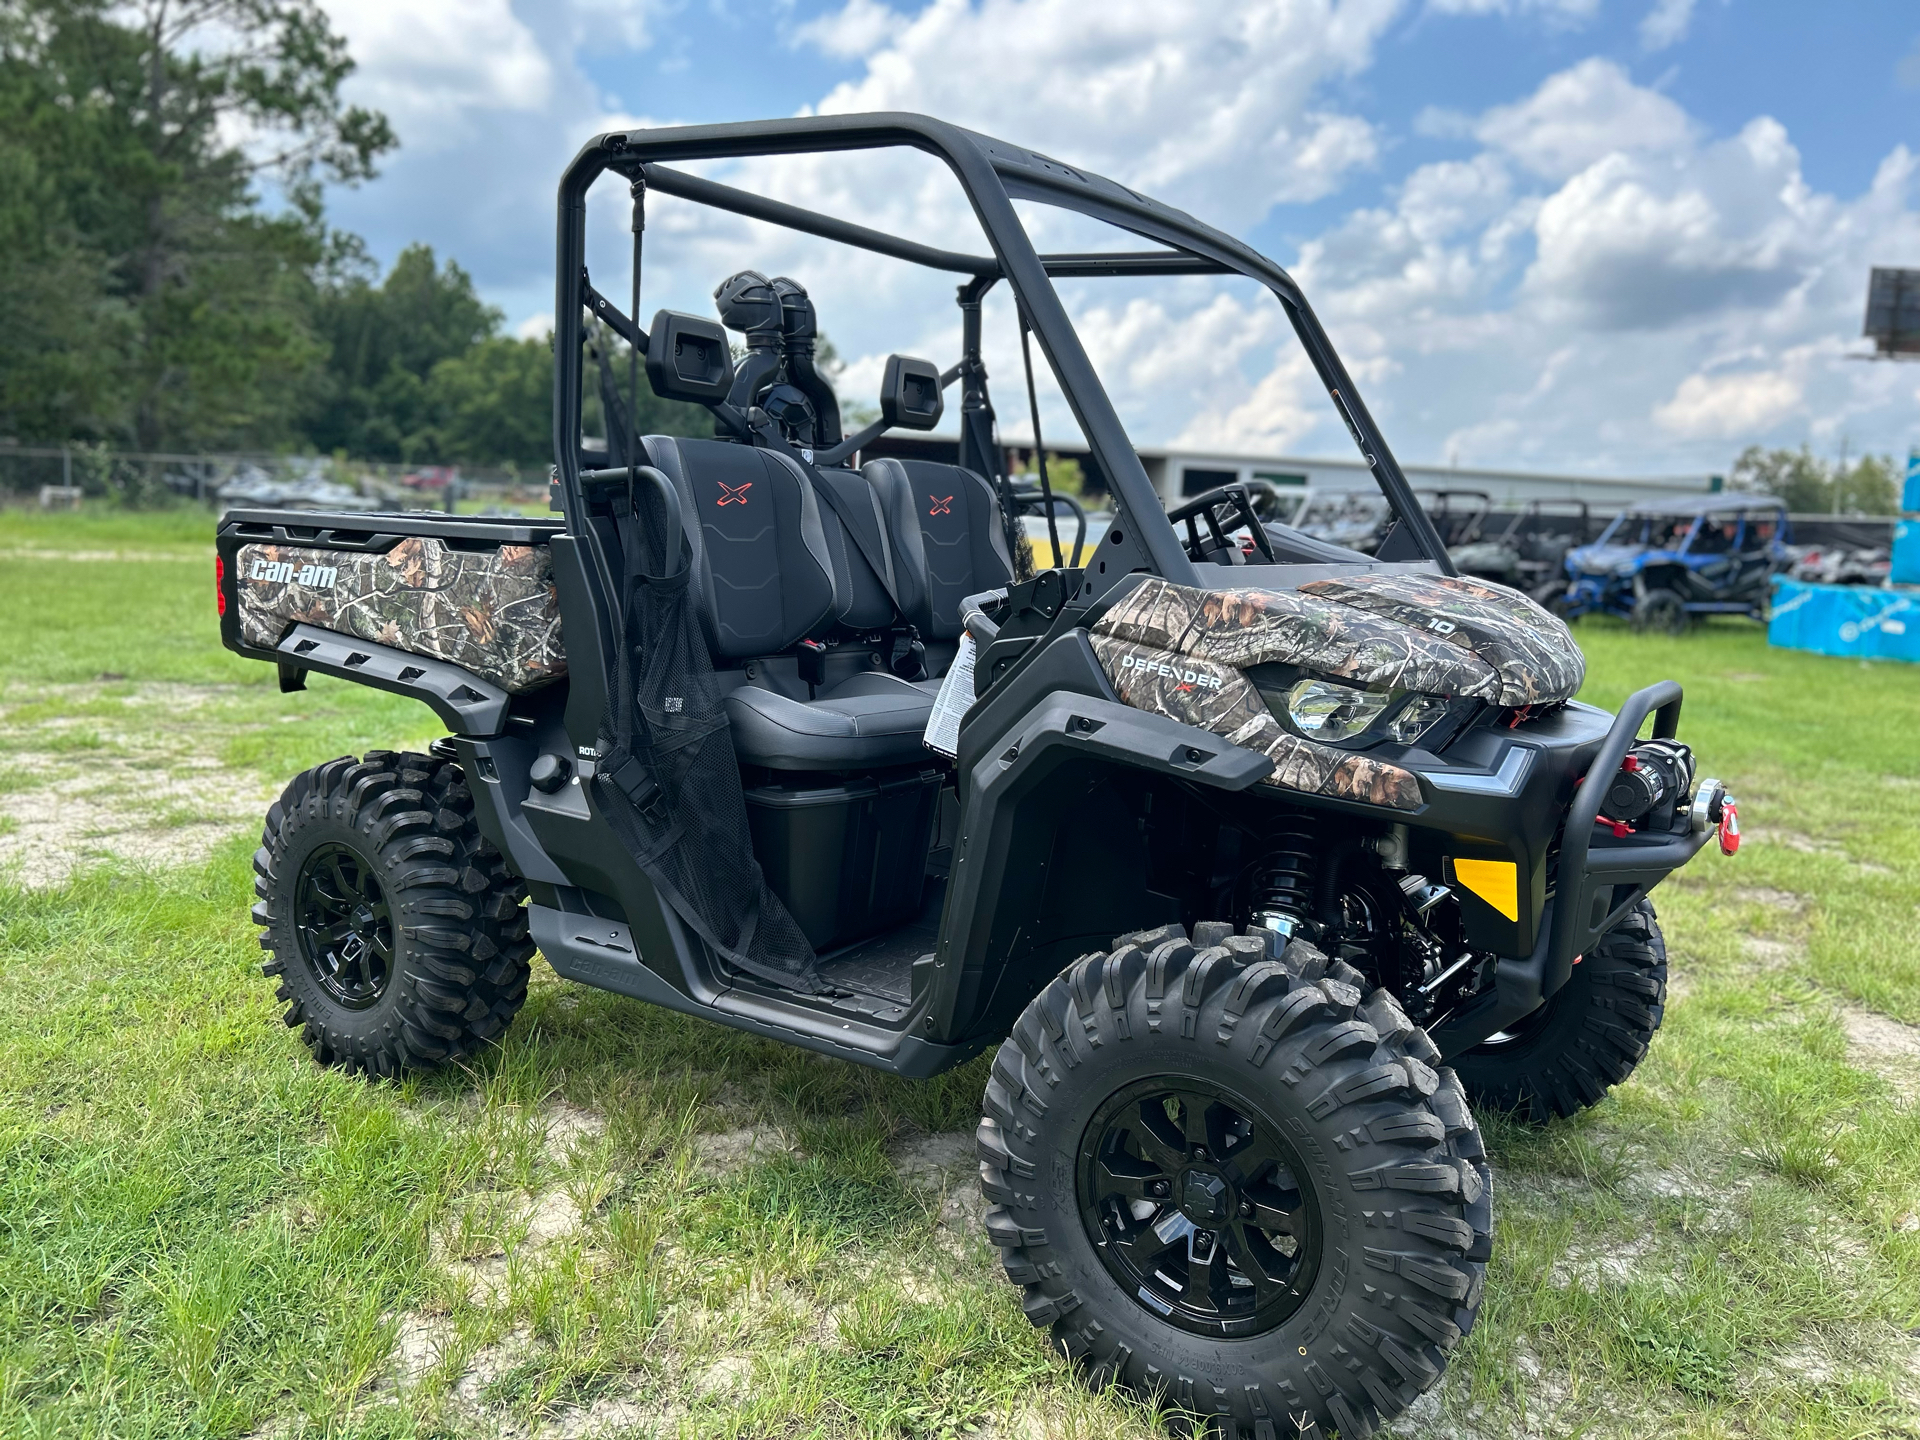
(601, 953)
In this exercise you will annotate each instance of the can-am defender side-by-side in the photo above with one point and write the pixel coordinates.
(1258, 860)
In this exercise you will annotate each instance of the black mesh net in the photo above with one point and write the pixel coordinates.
(668, 779)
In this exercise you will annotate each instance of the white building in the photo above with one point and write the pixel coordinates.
(1177, 473)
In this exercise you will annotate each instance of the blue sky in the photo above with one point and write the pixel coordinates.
(1615, 235)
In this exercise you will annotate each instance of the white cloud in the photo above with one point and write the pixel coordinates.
(427, 64)
(1666, 24)
(1203, 104)
(1728, 407)
(1582, 114)
(1562, 10)
(857, 28)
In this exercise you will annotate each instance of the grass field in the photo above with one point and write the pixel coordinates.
(622, 1221)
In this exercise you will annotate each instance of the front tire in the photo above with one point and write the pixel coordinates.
(1235, 1186)
(1661, 612)
(394, 928)
(1587, 1037)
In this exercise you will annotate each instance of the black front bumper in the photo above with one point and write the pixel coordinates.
(1595, 884)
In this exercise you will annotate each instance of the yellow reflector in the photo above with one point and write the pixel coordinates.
(1495, 881)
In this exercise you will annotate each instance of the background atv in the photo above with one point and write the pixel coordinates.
(1662, 562)
(1530, 552)
(1261, 859)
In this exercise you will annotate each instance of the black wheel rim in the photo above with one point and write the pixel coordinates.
(1198, 1207)
(345, 926)
(1520, 1031)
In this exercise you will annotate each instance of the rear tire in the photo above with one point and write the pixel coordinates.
(394, 927)
(1661, 612)
(1304, 1131)
(1589, 1035)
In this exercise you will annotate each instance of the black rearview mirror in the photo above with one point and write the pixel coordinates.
(688, 358)
(910, 394)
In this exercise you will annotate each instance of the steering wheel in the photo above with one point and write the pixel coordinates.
(1235, 500)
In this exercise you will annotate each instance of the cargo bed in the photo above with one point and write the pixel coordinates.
(457, 611)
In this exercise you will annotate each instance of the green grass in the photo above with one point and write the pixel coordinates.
(203, 1234)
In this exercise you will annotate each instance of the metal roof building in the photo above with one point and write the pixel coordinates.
(1177, 472)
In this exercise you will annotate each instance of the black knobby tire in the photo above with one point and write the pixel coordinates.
(1589, 1035)
(379, 861)
(1552, 597)
(1660, 611)
(1393, 1191)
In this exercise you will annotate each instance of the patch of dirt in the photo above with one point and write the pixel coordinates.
(931, 1162)
(529, 1225)
(420, 1343)
(946, 1166)
(1776, 899)
(89, 786)
(1769, 954)
(490, 1364)
(610, 1415)
(732, 1149)
(1792, 840)
(729, 1375)
(121, 806)
(569, 1130)
(1886, 1047)
(1592, 1267)
(30, 552)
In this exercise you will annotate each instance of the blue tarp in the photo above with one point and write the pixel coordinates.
(1857, 620)
(1906, 552)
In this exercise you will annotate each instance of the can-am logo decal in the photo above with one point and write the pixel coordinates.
(942, 505)
(1187, 678)
(285, 572)
(732, 494)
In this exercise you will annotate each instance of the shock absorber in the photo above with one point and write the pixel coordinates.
(1284, 883)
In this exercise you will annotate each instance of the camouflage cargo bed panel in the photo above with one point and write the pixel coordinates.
(494, 612)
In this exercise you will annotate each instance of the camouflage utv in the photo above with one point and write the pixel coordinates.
(1260, 861)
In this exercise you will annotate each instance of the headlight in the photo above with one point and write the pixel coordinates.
(1332, 713)
(1417, 717)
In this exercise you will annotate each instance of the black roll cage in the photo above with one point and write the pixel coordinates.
(992, 174)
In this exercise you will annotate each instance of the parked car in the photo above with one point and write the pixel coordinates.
(1662, 562)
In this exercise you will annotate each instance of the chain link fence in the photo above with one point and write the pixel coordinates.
(63, 476)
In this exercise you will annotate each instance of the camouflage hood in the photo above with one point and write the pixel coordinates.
(1446, 636)
(1179, 651)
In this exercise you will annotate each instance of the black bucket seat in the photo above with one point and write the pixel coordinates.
(772, 566)
(943, 524)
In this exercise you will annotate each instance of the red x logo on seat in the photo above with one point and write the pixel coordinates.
(942, 505)
(734, 494)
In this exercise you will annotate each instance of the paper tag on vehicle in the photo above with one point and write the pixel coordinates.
(956, 694)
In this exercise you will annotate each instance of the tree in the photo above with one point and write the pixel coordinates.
(1810, 486)
(147, 128)
(494, 403)
(1869, 488)
(383, 341)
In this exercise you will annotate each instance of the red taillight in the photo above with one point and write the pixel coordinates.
(220, 585)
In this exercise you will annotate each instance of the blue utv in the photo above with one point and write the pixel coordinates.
(1662, 562)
